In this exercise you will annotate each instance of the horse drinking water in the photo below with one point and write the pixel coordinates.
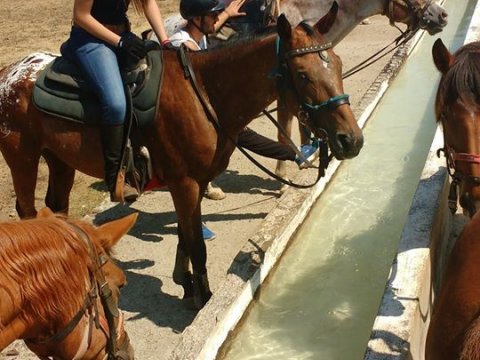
(457, 108)
(416, 14)
(59, 288)
(309, 67)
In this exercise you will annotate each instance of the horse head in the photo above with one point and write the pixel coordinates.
(315, 88)
(423, 14)
(96, 330)
(457, 108)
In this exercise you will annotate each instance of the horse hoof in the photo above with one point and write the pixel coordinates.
(201, 290)
(214, 193)
(188, 303)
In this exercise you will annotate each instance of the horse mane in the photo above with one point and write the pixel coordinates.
(471, 344)
(48, 263)
(243, 38)
(463, 78)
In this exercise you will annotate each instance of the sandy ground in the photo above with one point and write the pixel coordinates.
(154, 314)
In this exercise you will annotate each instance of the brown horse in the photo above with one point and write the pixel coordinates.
(457, 108)
(454, 331)
(54, 274)
(187, 151)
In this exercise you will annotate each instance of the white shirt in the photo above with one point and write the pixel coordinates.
(181, 36)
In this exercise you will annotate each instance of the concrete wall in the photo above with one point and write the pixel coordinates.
(400, 328)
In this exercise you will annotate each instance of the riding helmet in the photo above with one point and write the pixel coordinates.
(191, 8)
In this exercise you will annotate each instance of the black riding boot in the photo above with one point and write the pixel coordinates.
(112, 143)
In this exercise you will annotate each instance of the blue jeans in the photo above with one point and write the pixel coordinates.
(99, 65)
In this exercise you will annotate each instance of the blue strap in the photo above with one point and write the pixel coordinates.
(326, 103)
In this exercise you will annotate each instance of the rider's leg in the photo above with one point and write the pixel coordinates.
(99, 64)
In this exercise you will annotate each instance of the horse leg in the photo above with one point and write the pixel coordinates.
(285, 121)
(60, 183)
(187, 198)
(24, 170)
(181, 272)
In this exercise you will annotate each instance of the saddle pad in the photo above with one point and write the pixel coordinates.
(67, 97)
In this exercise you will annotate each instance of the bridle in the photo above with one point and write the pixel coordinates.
(415, 11)
(111, 323)
(284, 80)
(452, 158)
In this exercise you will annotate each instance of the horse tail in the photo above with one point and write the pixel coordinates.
(470, 349)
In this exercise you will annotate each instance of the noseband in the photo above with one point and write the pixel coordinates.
(415, 11)
(457, 176)
(110, 323)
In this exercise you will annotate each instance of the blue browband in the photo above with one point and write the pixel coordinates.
(336, 100)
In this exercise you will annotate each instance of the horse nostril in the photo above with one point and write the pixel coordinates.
(349, 144)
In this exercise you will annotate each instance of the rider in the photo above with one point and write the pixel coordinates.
(100, 43)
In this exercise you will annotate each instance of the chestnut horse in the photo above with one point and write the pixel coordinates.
(454, 331)
(54, 273)
(416, 14)
(186, 149)
(457, 109)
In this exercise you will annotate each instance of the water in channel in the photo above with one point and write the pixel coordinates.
(322, 299)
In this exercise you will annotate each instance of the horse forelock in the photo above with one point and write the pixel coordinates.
(48, 264)
(463, 78)
(471, 344)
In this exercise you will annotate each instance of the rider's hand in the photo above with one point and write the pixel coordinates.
(233, 9)
(131, 45)
(167, 45)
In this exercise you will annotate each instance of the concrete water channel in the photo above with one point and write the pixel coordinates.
(322, 299)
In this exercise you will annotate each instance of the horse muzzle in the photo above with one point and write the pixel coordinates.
(434, 19)
(345, 146)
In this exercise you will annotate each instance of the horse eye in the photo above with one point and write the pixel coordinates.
(303, 76)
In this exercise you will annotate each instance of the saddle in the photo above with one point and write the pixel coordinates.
(61, 91)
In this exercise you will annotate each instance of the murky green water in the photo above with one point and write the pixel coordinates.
(322, 300)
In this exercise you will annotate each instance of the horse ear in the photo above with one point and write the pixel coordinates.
(111, 232)
(441, 56)
(284, 28)
(45, 212)
(325, 23)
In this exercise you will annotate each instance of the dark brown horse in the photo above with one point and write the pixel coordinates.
(454, 331)
(187, 151)
(53, 272)
(457, 108)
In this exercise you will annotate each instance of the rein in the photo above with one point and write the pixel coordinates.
(212, 116)
(99, 288)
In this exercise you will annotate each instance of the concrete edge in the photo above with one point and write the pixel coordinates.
(399, 330)
(419, 260)
(211, 327)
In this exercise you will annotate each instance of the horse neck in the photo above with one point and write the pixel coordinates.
(238, 80)
(350, 14)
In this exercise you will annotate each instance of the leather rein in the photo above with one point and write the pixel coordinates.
(452, 158)
(307, 109)
(111, 323)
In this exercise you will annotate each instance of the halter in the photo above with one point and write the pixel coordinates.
(110, 323)
(415, 10)
(308, 109)
(452, 158)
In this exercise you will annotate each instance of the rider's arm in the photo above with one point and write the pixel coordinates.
(232, 10)
(154, 17)
(82, 17)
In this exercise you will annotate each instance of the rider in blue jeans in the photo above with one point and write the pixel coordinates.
(101, 43)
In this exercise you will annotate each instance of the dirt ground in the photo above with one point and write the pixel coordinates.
(154, 314)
